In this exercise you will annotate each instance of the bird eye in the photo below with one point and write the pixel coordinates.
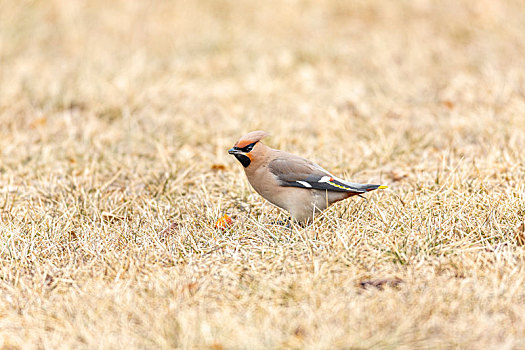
(249, 148)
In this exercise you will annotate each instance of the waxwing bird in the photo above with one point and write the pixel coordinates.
(291, 182)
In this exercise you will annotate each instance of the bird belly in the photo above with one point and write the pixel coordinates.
(297, 201)
(302, 204)
(276, 196)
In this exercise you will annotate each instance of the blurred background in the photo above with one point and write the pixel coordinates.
(124, 76)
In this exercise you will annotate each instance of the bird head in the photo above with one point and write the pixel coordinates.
(247, 146)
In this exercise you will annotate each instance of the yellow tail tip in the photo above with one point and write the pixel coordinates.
(382, 187)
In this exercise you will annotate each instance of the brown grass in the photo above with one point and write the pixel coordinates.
(115, 118)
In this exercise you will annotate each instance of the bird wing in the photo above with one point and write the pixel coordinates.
(294, 171)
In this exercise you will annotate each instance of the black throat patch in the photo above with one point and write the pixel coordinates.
(245, 161)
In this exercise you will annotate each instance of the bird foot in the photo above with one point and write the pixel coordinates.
(285, 223)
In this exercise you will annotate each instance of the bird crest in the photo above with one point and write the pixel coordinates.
(251, 137)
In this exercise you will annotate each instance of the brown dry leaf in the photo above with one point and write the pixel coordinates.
(449, 104)
(40, 121)
(392, 115)
(49, 279)
(380, 283)
(299, 332)
(397, 175)
(170, 229)
(72, 235)
(218, 167)
(113, 218)
(224, 222)
(192, 287)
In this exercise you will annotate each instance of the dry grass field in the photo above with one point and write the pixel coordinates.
(115, 119)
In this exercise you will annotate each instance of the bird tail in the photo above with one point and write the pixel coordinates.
(361, 188)
(369, 188)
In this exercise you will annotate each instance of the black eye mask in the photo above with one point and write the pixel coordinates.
(247, 149)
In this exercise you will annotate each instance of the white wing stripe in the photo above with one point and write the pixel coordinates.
(305, 184)
(324, 179)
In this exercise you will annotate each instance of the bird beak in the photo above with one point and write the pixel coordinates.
(234, 151)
